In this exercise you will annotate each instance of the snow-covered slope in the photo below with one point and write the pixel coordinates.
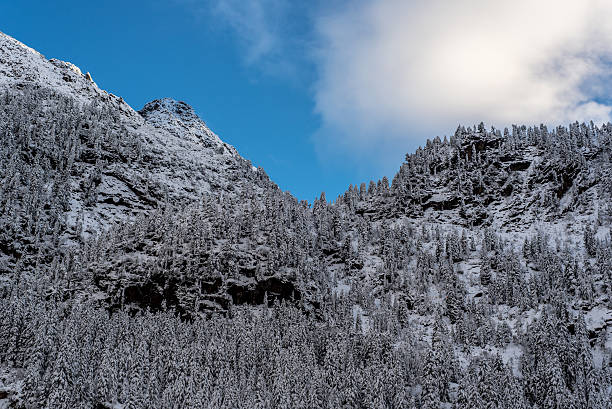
(22, 66)
(77, 162)
(531, 180)
(179, 119)
(164, 153)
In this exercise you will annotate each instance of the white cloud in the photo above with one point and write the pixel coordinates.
(389, 69)
(390, 73)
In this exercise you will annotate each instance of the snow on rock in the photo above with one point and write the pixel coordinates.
(21, 66)
(179, 157)
(597, 320)
(179, 118)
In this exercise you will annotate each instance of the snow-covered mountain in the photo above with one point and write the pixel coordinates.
(481, 274)
(163, 152)
(121, 162)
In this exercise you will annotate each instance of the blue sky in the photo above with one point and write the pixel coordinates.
(322, 94)
(148, 50)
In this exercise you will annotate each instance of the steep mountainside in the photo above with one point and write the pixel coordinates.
(511, 182)
(145, 263)
(90, 160)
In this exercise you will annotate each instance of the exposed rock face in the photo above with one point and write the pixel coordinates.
(480, 178)
(179, 119)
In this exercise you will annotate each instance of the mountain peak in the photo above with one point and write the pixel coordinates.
(169, 107)
(167, 111)
(179, 118)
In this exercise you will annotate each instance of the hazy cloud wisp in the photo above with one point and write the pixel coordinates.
(273, 34)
